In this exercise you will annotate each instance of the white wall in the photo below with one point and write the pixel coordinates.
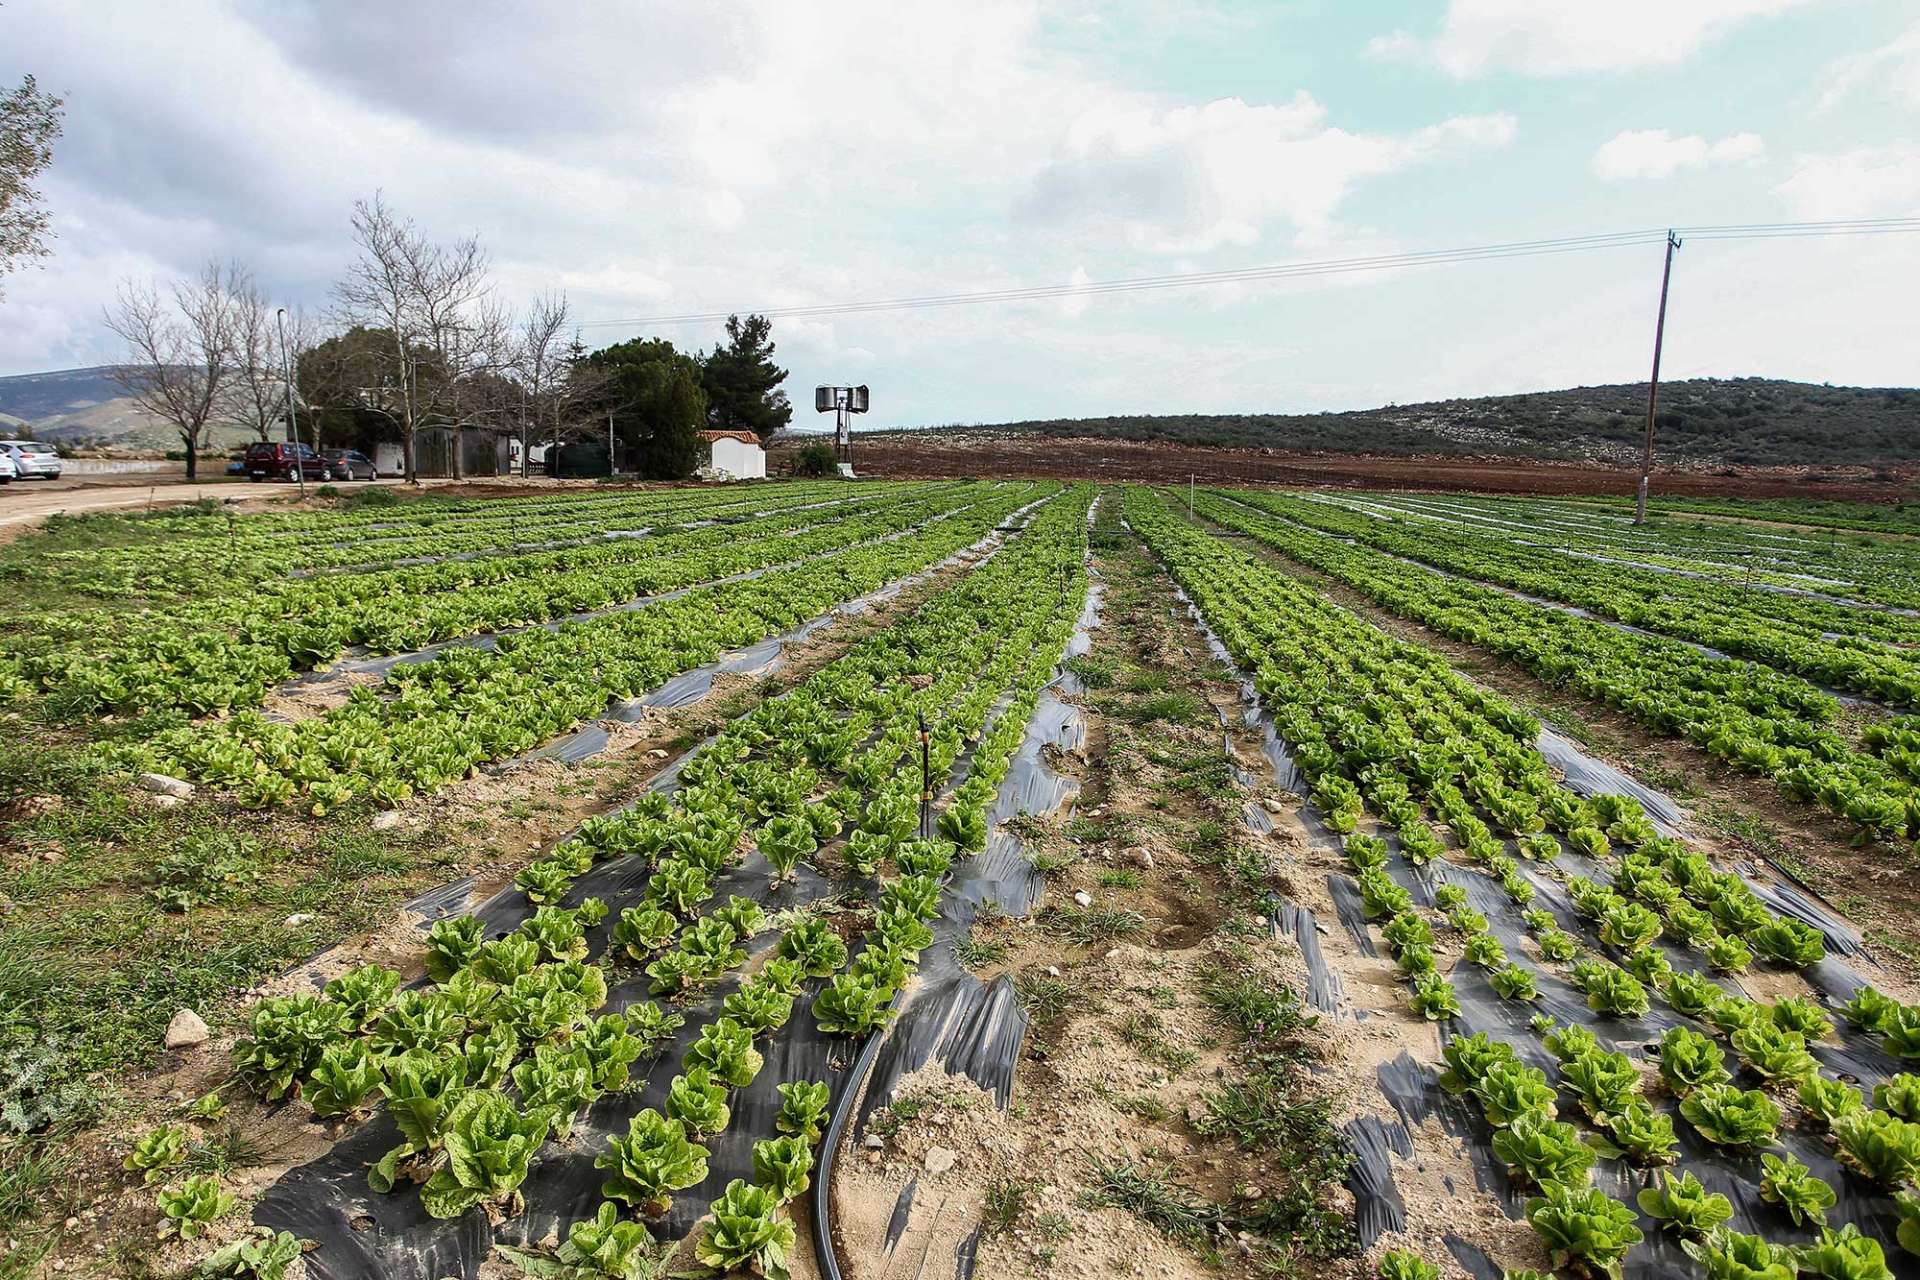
(740, 460)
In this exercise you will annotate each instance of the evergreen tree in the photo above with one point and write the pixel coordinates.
(743, 383)
(658, 407)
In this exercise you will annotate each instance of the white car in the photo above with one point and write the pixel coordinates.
(31, 459)
(7, 470)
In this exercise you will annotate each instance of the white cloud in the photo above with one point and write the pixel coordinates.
(1195, 178)
(1892, 71)
(1074, 305)
(1571, 37)
(1655, 153)
(1863, 183)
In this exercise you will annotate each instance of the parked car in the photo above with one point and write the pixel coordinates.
(7, 470)
(278, 461)
(350, 464)
(31, 459)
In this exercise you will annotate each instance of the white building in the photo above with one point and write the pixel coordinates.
(734, 455)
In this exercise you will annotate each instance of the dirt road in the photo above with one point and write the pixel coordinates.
(22, 504)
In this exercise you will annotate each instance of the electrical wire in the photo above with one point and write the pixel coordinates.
(1301, 270)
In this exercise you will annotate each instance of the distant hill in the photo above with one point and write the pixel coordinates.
(76, 407)
(1703, 421)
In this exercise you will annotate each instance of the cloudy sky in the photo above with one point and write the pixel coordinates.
(676, 157)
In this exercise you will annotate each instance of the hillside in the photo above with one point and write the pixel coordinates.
(1703, 422)
(85, 407)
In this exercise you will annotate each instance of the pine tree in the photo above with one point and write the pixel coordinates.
(743, 383)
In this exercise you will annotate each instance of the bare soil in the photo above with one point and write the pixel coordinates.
(904, 455)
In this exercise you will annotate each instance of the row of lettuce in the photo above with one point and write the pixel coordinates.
(507, 1045)
(1870, 571)
(1870, 652)
(1752, 717)
(218, 654)
(1386, 732)
(431, 723)
(214, 555)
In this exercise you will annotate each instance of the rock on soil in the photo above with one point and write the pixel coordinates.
(186, 1030)
(161, 784)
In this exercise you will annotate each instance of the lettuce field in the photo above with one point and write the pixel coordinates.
(938, 879)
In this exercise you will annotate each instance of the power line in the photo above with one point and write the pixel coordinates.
(1298, 270)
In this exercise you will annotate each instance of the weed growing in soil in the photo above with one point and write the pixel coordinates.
(1045, 997)
(1090, 925)
(978, 953)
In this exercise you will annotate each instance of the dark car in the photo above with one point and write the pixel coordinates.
(350, 464)
(282, 462)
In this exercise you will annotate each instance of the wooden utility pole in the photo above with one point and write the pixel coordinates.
(1653, 386)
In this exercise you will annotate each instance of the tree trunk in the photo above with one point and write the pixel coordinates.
(193, 453)
(406, 455)
(459, 462)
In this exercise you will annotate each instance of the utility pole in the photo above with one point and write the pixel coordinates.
(293, 423)
(1653, 386)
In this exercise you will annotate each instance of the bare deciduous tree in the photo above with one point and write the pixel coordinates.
(257, 392)
(541, 367)
(180, 348)
(428, 300)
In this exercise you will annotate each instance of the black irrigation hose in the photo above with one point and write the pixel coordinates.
(823, 1250)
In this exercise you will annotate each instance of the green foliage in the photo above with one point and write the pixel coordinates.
(1729, 1255)
(189, 1209)
(1514, 983)
(1605, 1083)
(698, 1102)
(343, 1081)
(759, 1006)
(1900, 1096)
(1690, 993)
(1433, 998)
(1731, 1117)
(1585, 1229)
(742, 383)
(1844, 1254)
(557, 1080)
(261, 1254)
(1881, 1147)
(1787, 942)
(1540, 1150)
(781, 1165)
(602, 1247)
(654, 1160)
(1773, 1054)
(1802, 1017)
(1826, 1100)
(157, 1151)
(643, 930)
(815, 945)
(489, 1143)
(747, 1231)
(1509, 1089)
(725, 1048)
(286, 1036)
(362, 994)
(1643, 1135)
(1792, 1186)
(1869, 1010)
(851, 1005)
(1684, 1205)
(1402, 1264)
(803, 1109)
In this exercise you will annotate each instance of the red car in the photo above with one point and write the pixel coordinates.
(280, 462)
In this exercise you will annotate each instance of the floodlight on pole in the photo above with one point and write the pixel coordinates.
(842, 403)
(293, 424)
